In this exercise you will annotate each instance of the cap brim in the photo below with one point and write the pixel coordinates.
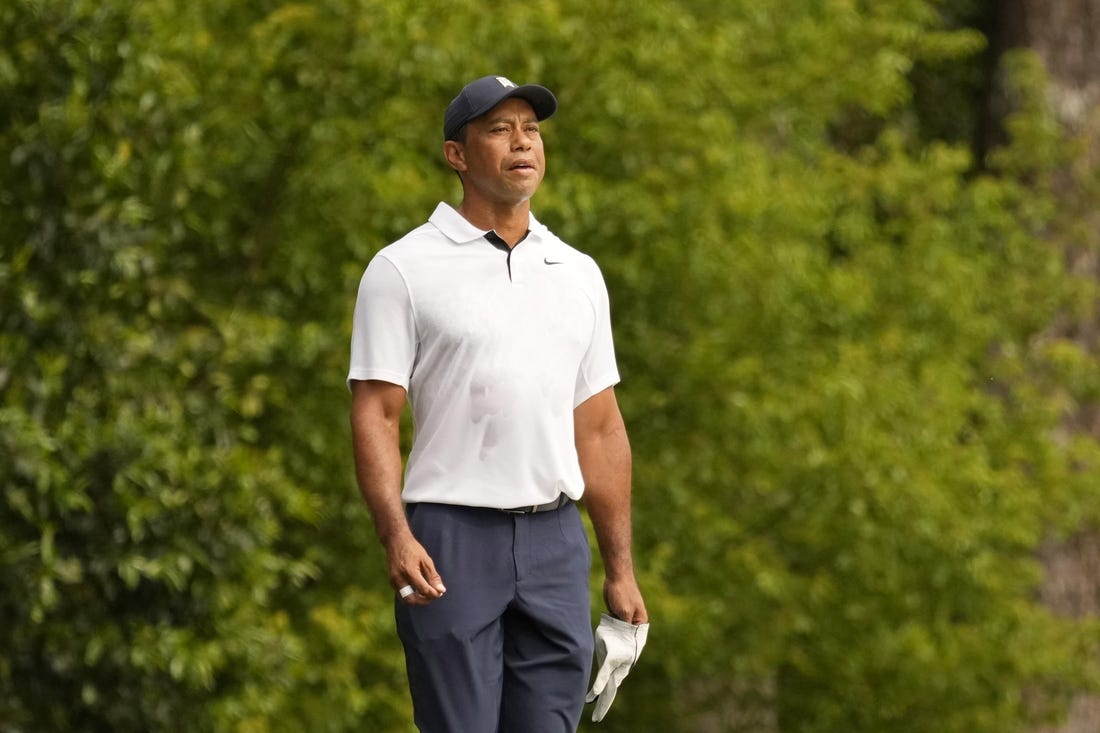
(541, 99)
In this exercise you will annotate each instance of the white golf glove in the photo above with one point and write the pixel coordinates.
(618, 646)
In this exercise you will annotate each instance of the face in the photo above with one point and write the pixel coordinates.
(502, 160)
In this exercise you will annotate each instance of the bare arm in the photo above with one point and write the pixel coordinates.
(604, 452)
(375, 429)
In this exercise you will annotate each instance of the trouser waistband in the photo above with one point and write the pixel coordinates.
(549, 506)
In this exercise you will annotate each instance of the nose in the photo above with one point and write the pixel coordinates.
(521, 139)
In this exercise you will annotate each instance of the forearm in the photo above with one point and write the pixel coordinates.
(375, 436)
(604, 454)
(606, 465)
(375, 428)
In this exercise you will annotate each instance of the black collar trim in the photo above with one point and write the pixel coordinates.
(497, 241)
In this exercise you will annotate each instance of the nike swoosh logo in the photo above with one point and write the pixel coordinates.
(551, 262)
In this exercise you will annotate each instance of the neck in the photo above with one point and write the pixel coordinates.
(509, 221)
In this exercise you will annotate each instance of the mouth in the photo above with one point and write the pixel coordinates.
(521, 165)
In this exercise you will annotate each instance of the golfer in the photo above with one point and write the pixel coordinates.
(498, 334)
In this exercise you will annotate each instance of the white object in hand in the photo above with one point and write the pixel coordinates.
(406, 591)
(618, 646)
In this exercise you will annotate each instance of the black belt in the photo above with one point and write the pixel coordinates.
(549, 506)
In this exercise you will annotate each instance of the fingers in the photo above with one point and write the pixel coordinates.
(603, 703)
(608, 678)
(624, 601)
(425, 580)
(426, 586)
(632, 610)
(602, 677)
(624, 609)
(605, 688)
(619, 675)
(413, 575)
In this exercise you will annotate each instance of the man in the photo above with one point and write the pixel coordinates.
(499, 335)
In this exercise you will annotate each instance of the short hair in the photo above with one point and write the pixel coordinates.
(459, 135)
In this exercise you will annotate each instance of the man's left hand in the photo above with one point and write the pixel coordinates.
(624, 600)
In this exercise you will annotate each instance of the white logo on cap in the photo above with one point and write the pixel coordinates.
(506, 83)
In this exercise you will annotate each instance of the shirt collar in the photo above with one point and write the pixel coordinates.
(456, 228)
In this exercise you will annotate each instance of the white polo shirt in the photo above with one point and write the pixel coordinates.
(495, 349)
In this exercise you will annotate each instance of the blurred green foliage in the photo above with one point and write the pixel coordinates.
(833, 335)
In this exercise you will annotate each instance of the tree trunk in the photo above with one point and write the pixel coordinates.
(1066, 36)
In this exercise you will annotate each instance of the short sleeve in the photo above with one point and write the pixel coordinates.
(598, 369)
(383, 334)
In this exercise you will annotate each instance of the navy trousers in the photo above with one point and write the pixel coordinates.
(508, 648)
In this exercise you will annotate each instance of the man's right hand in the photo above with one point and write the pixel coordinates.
(411, 565)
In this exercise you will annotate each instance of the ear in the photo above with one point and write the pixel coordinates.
(455, 154)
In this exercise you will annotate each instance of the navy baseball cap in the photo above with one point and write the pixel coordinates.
(478, 97)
